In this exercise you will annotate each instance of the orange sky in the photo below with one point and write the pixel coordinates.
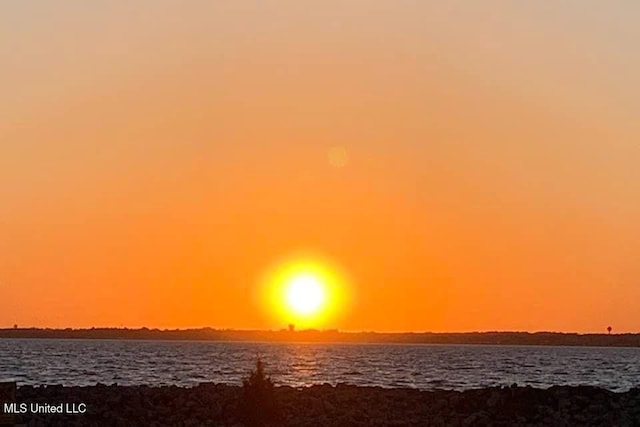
(156, 159)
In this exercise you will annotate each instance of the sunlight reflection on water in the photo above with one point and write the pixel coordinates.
(86, 362)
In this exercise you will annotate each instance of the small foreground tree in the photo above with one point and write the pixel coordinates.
(259, 406)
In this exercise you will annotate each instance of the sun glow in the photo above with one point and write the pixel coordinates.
(306, 292)
(305, 295)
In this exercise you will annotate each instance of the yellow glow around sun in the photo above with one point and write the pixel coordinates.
(306, 292)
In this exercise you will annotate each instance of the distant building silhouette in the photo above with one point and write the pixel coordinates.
(292, 327)
(15, 326)
(609, 329)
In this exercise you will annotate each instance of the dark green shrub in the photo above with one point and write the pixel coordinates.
(259, 406)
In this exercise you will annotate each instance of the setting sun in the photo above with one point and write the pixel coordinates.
(308, 292)
(305, 295)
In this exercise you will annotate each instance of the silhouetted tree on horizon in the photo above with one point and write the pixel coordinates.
(609, 329)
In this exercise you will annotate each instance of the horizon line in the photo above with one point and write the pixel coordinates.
(327, 330)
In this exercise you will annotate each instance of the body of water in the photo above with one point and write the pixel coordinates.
(186, 363)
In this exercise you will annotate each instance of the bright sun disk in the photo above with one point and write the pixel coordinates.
(305, 294)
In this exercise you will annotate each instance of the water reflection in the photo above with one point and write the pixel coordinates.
(80, 362)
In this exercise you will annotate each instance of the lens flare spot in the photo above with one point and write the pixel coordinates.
(338, 157)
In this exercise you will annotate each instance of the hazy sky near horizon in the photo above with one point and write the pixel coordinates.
(157, 157)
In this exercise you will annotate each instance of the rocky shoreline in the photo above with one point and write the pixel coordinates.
(342, 405)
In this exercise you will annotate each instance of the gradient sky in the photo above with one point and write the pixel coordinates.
(156, 158)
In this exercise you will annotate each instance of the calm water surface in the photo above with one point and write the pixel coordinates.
(87, 362)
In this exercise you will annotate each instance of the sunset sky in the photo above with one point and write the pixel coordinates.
(458, 165)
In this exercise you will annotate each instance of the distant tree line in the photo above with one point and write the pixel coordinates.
(289, 335)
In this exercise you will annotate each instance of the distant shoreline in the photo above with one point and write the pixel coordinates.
(332, 336)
